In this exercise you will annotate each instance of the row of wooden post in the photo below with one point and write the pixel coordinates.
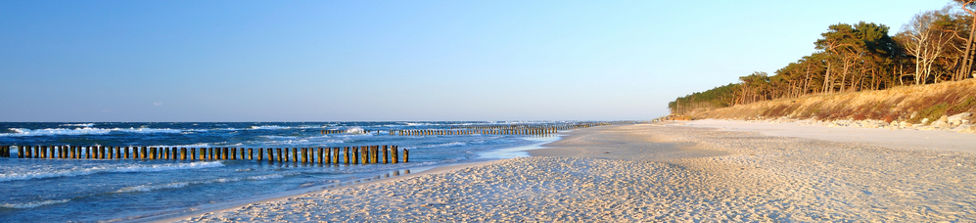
(332, 131)
(336, 131)
(518, 131)
(484, 130)
(322, 155)
(524, 126)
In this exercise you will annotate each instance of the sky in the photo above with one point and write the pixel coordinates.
(397, 60)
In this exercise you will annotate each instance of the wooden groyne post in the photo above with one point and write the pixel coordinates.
(309, 155)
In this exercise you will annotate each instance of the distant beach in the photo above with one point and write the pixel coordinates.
(709, 170)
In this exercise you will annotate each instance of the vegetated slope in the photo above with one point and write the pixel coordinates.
(923, 104)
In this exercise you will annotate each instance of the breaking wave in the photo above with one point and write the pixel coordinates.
(84, 131)
(42, 174)
(32, 204)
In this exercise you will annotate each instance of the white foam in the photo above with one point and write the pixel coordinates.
(268, 127)
(80, 125)
(84, 131)
(515, 152)
(33, 204)
(275, 127)
(437, 145)
(265, 177)
(356, 130)
(149, 187)
(80, 171)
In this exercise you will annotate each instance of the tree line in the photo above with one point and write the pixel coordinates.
(934, 47)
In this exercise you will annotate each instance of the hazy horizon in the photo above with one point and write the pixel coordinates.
(244, 61)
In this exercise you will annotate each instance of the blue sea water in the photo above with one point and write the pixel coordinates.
(58, 190)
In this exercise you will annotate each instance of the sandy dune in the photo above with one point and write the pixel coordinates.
(651, 172)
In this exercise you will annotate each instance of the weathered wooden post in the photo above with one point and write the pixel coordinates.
(270, 156)
(386, 154)
(371, 154)
(182, 153)
(101, 152)
(364, 155)
(278, 150)
(294, 155)
(319, 156)
(395, 154)
(125, 150)
(328, 155)
(304, 155)
(345, 156)
(260, 155)
(376, 155)
(355, 154)
(335, 155)
(406, 155)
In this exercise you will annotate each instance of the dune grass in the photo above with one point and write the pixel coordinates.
(913, 104)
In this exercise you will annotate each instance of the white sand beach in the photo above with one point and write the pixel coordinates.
(707, 170)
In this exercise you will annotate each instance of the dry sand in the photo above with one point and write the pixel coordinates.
(663, 172)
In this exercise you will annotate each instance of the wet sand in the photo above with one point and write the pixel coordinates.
(661, 172)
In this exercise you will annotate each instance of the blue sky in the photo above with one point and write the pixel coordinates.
(396, 60)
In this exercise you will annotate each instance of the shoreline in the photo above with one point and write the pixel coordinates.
(225, 206)
(661, 172)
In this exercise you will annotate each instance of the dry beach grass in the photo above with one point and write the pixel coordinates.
(659, 172)
(922, 104)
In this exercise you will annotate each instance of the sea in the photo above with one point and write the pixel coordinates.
(75, 190)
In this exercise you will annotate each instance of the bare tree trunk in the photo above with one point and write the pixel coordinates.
(827, 89)
(967, 60)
